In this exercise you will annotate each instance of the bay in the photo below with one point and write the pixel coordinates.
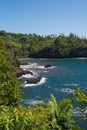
(61, 80)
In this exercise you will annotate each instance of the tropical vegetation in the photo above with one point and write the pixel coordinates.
(54, 115)
(50, 46)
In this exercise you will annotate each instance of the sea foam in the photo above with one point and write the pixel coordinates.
(35, 66)
(42, 81)
(29, 102)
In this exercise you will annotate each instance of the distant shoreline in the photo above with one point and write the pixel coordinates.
(25, 59)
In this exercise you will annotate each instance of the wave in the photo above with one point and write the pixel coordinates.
(42, 81)
(29, 102)
(29, 76)
(31, 66)
(35, 66)
(67, 90)
(43, 67)
(24, 67)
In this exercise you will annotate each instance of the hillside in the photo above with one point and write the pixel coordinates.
(51, 46)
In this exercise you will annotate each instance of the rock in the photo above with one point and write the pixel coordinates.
(34, 80)
(23, 72)
(47, 66)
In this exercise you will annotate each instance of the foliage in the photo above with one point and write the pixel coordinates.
(21, 118)
(50, 116)
(10, 88)
(47, 116)
(37, 117)
(62, 114)
(82, 98)
(51, 46)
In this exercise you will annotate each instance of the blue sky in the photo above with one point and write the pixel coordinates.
(44, 17)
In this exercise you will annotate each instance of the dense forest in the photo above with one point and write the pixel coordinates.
(50, 46)
(53, 115)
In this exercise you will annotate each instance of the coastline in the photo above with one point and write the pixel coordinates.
(26, 59)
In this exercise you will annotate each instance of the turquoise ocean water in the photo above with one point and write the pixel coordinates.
(61, 80)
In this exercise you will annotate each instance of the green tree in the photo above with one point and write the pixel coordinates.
(10, 88)
(61, 47)
(23, 45)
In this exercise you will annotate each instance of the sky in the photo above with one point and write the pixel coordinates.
(44, 17)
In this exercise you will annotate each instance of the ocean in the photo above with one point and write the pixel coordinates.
(61, 79)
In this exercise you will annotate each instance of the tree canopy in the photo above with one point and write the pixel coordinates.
(51, 46)
(10, 88)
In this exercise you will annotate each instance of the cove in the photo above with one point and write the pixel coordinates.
(61, 80)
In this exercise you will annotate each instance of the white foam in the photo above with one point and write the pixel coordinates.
(42, 81)
(27, 101)
(24, 67)
(27, 76)
(35, 66)
(67, 90)
(29, 66)
(43, 67)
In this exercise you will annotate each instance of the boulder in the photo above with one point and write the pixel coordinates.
(33, 80)
(47, 66)
(23, 72)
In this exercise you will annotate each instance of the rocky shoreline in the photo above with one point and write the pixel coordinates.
(33, 78)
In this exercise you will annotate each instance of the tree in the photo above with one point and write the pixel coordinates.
(61, 47)
(10, 88)
(23, 44)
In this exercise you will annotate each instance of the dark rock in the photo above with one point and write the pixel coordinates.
(23, 72)
(47, 66)
(34, 80)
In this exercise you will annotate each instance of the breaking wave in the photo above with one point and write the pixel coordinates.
(35, 66)
(29, 102)
(42, 81)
